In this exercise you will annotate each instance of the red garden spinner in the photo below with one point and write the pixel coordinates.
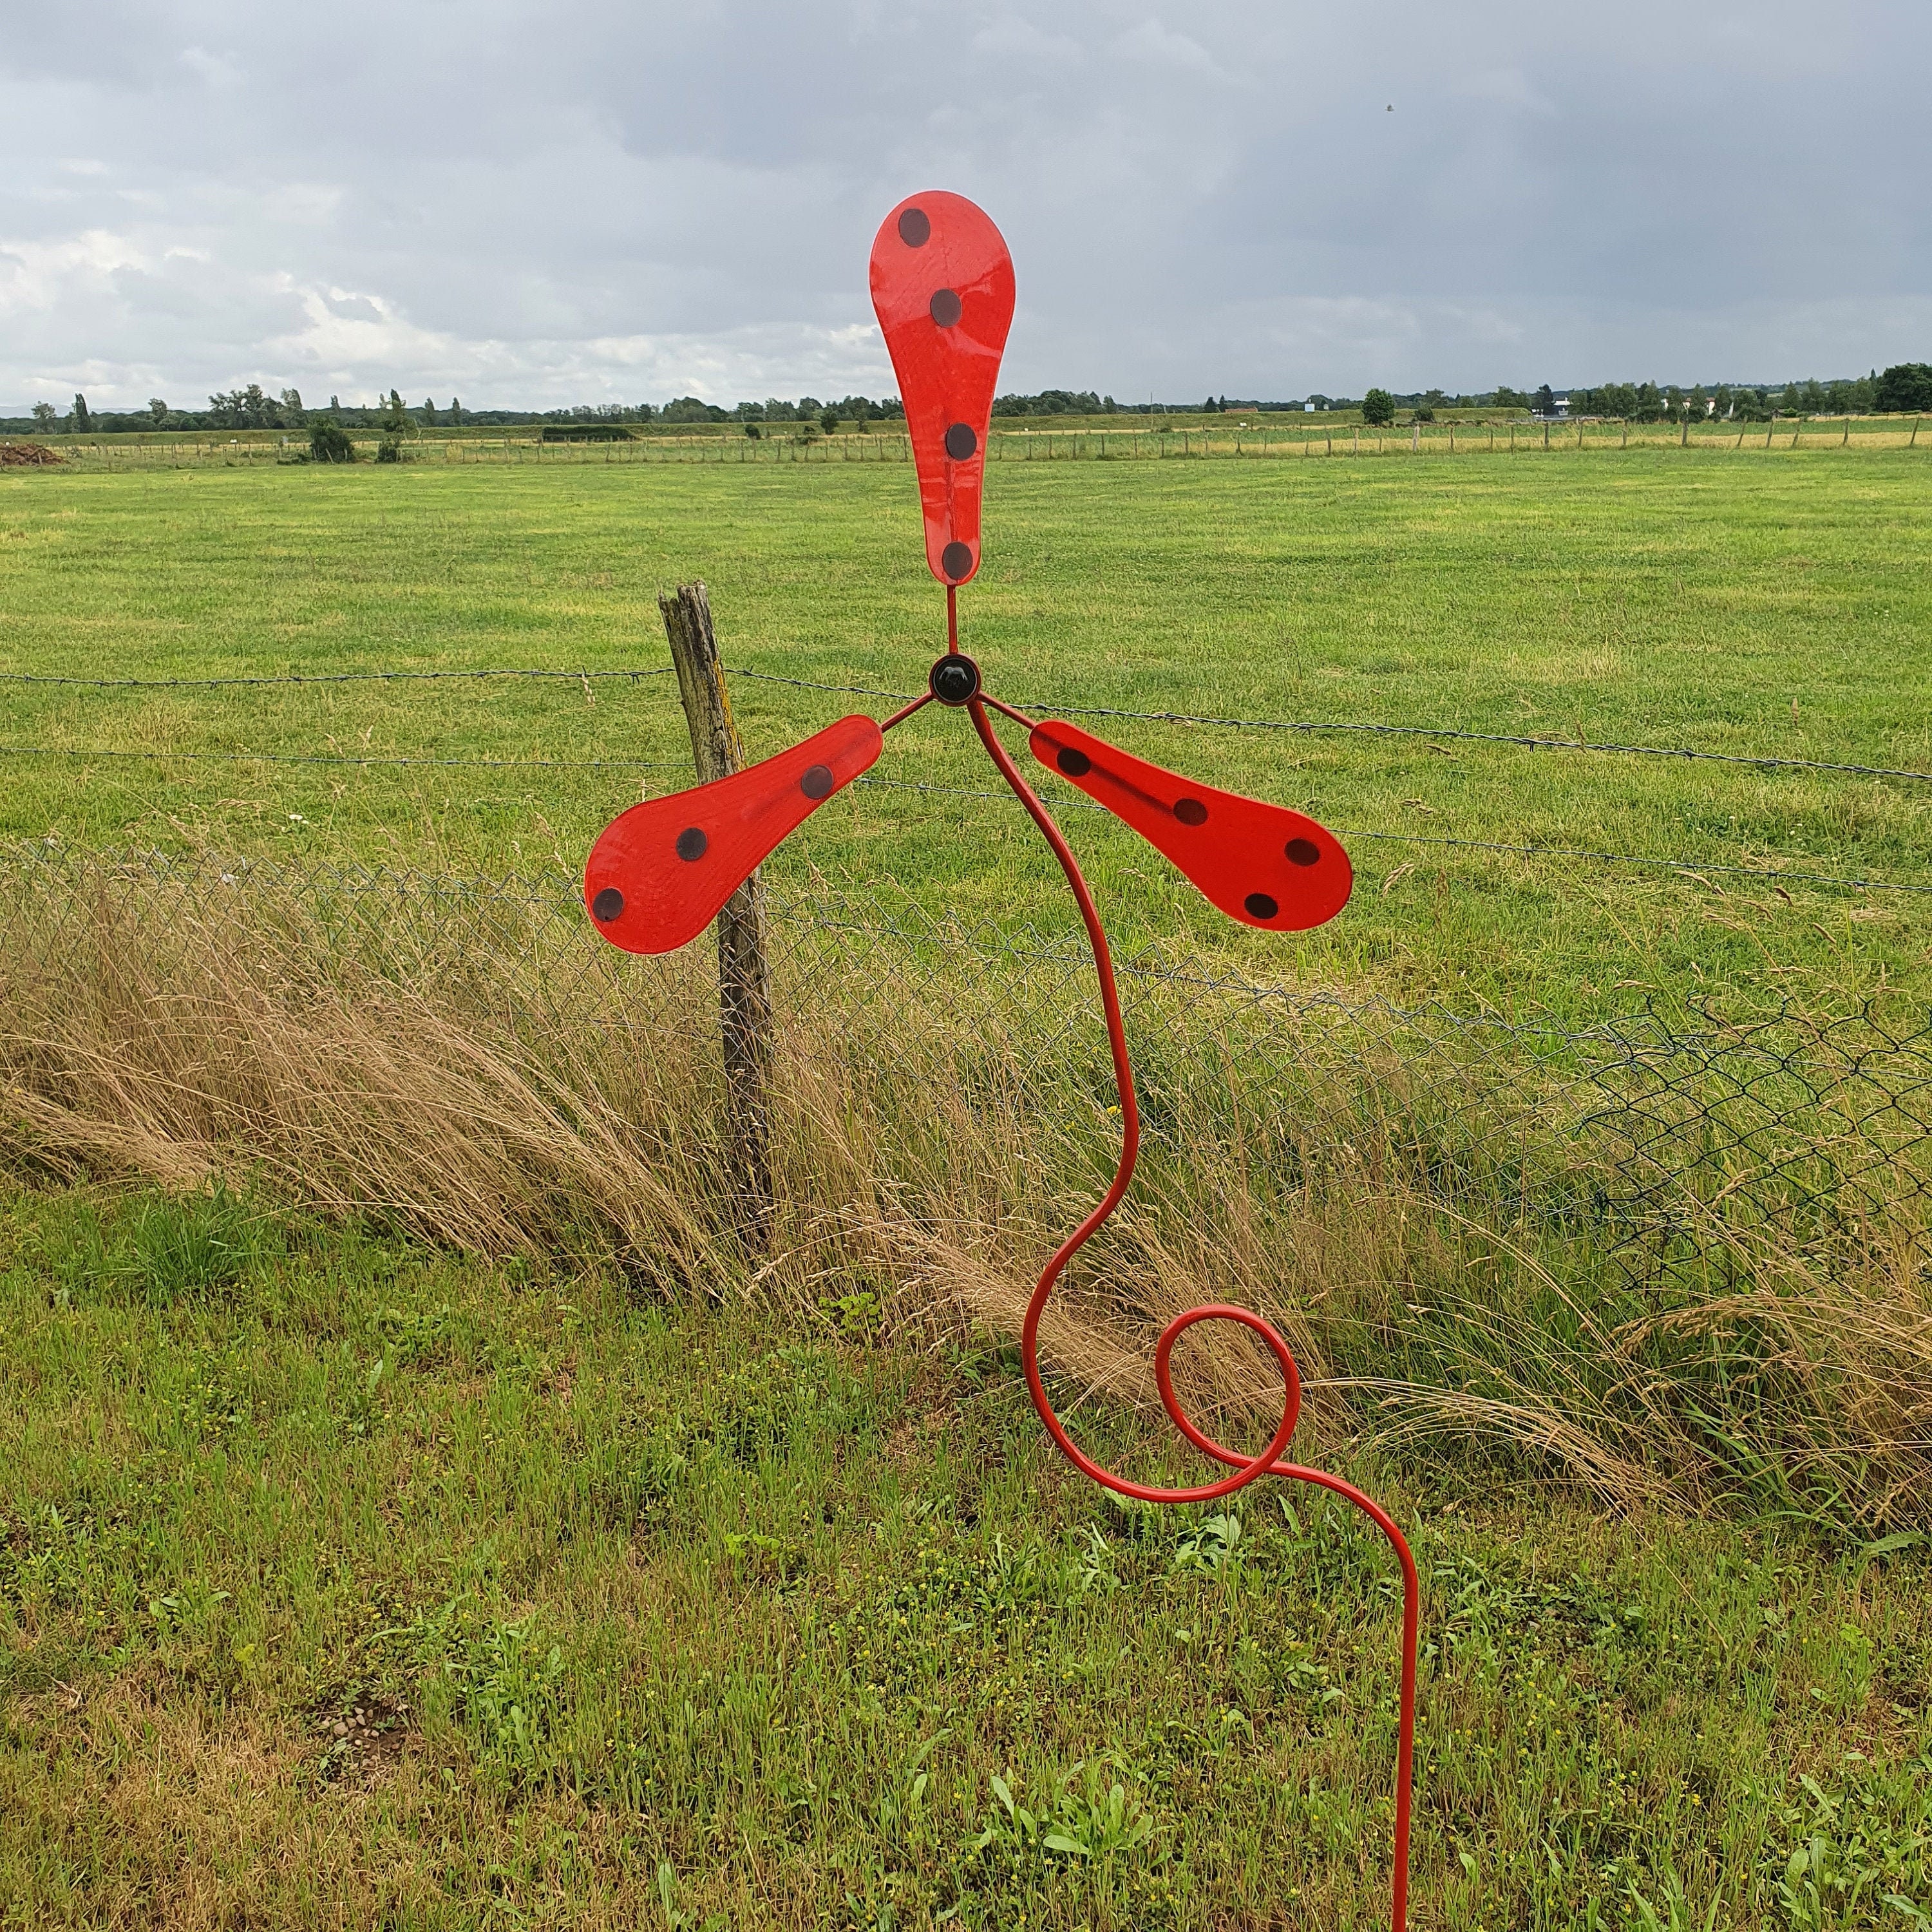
(942, 288)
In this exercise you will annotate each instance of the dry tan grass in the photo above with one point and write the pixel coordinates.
(484, 1112)
(233, 1047)
(1845, 1352)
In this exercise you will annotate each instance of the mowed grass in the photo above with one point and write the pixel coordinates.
(342, 1582)
(1775, 603)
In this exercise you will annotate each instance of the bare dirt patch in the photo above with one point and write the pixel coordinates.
(361, 1734)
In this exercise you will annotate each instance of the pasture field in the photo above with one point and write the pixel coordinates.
(1741, 604)
(417, 1514)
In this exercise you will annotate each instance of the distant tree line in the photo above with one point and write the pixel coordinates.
(1904, 388)
(1056, 403)
(255, 407)
(1740, 402)
(249, 407)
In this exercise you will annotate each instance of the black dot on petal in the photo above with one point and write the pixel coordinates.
(817, 783)
(960, 442)
(945, 307)
(1260, 906)
(607, 905)
(1302, 851)
(1191, 811)
(691, 843)
(915, 230)
(1076, 764)
(956, 560)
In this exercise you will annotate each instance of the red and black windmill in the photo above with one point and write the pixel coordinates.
(942, 284)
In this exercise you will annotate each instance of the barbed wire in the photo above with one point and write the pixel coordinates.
(488, 764)
(1058, 800)
(809, 684)
(346, 758)
(1693, 868)
(319, 677)
(1700, 1113)
(1764, 760)
(1773, 760)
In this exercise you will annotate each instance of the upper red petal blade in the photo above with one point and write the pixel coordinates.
(1262, 864)
(659, 875)
(943, 290)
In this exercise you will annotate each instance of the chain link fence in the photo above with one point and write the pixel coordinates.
(1642, 1132)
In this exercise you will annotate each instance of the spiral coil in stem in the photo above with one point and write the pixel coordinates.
(1246, 1468)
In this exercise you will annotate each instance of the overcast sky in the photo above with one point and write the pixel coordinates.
(625, 200)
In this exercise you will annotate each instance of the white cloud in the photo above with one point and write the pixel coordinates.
(1009, 37)
(555, 200)
(1155, 46)
(752, 362)
(216, 70)
(346, 331)
(43, 275)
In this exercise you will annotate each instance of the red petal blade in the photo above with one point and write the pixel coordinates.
(943, 290)
(1262, 864)
(659, 873)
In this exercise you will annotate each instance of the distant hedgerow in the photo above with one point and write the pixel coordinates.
(329, 442)
(1905, 385)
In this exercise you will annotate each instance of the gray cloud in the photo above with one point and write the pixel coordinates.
(589, 201)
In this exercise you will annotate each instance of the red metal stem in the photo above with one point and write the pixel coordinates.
(1246, 1468)
(1007, 710)
(905, 711)
(952, 617)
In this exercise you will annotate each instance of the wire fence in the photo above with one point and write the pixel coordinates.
(1645, 1131)
(1650, 1134)
(1311, 727)
(782, 443)
(1694, 866)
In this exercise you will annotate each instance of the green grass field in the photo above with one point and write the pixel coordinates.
(344, 1584)
(347, 1580)
(1756, 604)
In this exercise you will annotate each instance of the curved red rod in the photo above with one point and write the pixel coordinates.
(905, 711)
(1245, 1467)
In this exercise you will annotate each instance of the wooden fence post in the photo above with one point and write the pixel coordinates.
(744, 974)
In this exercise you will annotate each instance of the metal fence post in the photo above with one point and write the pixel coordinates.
(744, 974)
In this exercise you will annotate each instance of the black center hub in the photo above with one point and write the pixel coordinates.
(955, 680)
